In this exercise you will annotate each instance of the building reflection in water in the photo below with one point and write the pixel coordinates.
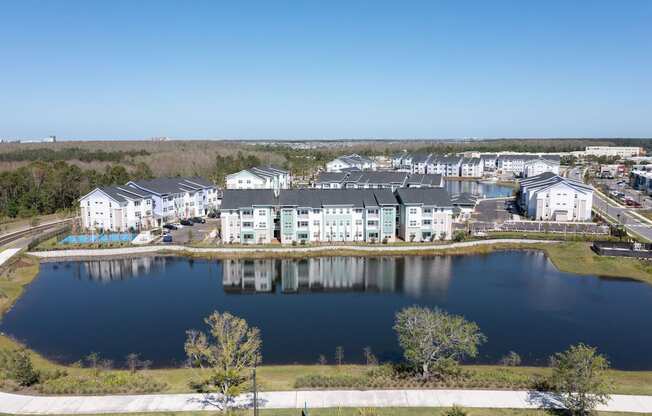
(120, 269)
(412, 275)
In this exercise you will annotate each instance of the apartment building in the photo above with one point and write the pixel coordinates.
(265, 177)
(116, 209)
(489, 161)
(515, 163)
(613, 151)
(471, 167)
(549, 197)
(337, 215)
(140, 205)
(537, 166)
(351, 161)
(424, 214)
(376, 180)
(176, 198)
(248, 215)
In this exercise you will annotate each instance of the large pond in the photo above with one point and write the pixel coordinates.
(479, 188)
(308, 307)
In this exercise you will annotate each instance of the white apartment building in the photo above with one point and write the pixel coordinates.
(549, 197)
(516, 163)
(352, 161)
(613, 151)
(337, 215)
(376, 180)
(425, 214)
(116, 209)
(489, 161)
(471, 167)
(177, 198)
(534, 167)
(140, 205)
(247, 216)
(267, 177)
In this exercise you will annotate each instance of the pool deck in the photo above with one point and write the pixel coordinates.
(389, 249)
(499, 399)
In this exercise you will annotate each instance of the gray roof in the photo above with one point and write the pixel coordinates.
(380, 177)
(268, 171)
(329, 177)
(438, 197)
(167, 185)
(244, 198)
(421, 158)
(123, 193)
(431, 179)
(464, 199)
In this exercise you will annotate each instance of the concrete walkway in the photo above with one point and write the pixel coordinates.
(7, 254)
(20, 404)
(84, 253)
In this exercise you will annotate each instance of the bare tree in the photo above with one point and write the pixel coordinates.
(134, 363)
(339, 355)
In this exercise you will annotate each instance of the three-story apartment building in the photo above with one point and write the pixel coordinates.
(425, 214)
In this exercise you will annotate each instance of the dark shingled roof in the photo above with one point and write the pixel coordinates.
(328, 177)
(430, 179)
(123, 193)
(172, 185)
(243, 198)
(426, 196)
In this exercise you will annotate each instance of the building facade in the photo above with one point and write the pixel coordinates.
(141, 205)
(549, 197)
(354, 161)
(267, 177)
(424, 214)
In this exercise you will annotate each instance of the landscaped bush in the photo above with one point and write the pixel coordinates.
(17, 365)
(333, 381)
(104, 383)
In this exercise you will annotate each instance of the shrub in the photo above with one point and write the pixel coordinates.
(511, 359)
(104, 383)
(17, 365)
(455, 411)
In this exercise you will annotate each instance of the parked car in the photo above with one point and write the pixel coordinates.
(170, 226)
(198, 220)
(167, 238)
(186, 222)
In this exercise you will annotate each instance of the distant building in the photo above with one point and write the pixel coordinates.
(549, 197)
(471, 167)
(350, 161)
(376, 180)
(267, 177)
(537, 166)
(515, 163)
(613, 151)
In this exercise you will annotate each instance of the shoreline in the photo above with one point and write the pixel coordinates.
(333, 250)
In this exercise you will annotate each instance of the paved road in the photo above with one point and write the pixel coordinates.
(619, 213)
(19, 404)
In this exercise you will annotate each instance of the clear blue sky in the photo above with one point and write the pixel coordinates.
(326, 69)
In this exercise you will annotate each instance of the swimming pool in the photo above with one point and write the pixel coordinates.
(98, 238)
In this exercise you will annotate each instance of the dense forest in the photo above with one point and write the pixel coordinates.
(71, 153)
(49, 187)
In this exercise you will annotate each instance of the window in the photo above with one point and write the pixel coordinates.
(427, 222)
(358, 222)
(247, 212)
(303, 212)
(302, 224)
(413, 223)
(372, 211)
(261, 213)
(427, 210)
(413, 211)
(316, 210)
(372, 223)
(315, 223)
(247, 224)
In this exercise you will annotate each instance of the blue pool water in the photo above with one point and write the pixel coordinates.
(98, 238)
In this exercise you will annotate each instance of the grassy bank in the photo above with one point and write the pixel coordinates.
(15, 276)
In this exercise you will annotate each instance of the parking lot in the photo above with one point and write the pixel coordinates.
(196, 232)
(621, 186)
(494, 210)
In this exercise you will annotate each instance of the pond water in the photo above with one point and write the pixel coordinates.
(308, 307)
(478, 188)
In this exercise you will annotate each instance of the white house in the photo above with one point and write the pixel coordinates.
(116, 209)
(425, 214)
(350, 161)
(550, 197)
(534, 167)
(267, 177)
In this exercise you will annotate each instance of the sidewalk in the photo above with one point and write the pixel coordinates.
(20, 404)
(82, 253)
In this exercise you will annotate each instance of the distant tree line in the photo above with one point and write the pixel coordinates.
(47, 187)
(72, 153)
